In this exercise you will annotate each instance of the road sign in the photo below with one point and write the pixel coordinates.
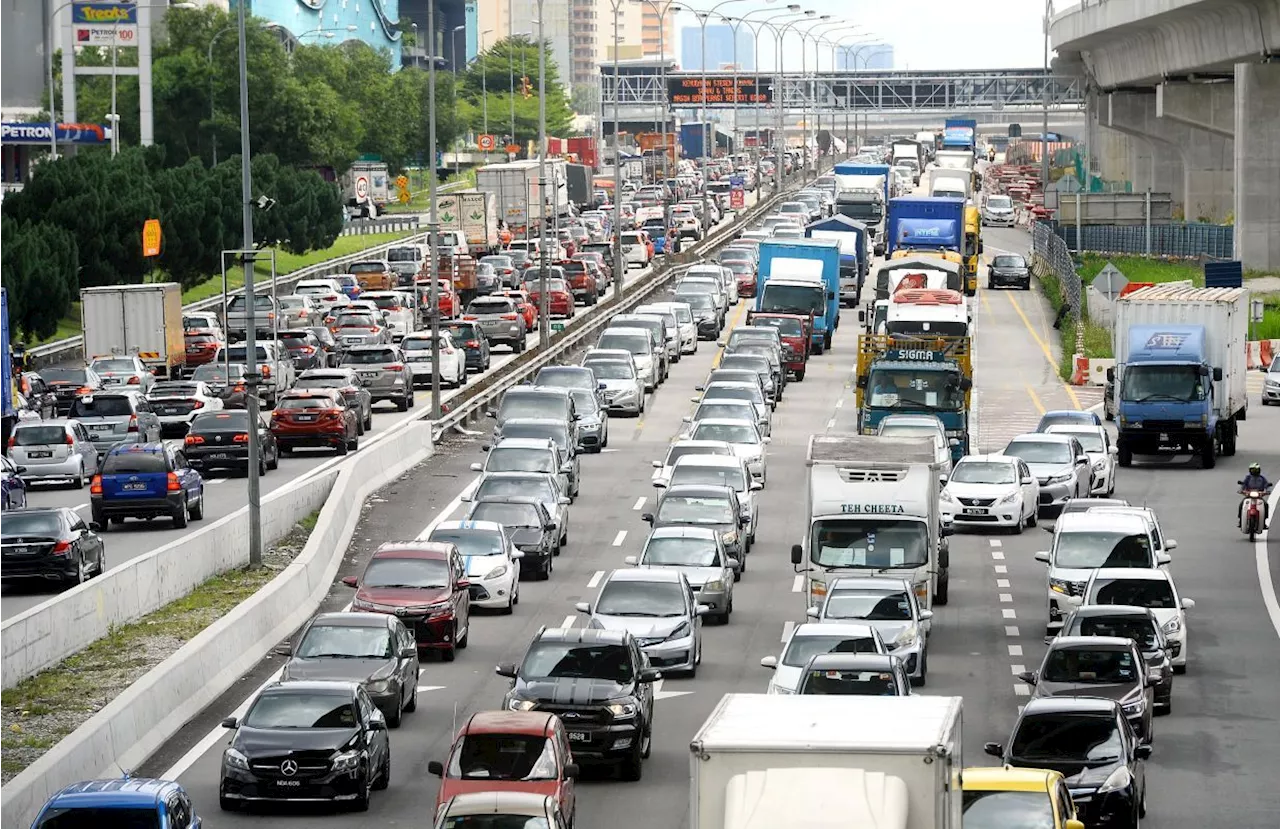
(512, 148)
(487, 143)
(557, 326)
(737, 199)
(1110, 282)
(151, 238)
(362, 188)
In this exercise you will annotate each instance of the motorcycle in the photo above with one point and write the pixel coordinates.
(1252, 508)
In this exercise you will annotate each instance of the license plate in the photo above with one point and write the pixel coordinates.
(579, 737)
(304, 418)
(39, 454)
(135, 487)
(289, 784)
(1163, 436)
(974, 511)
(103, 427)
(218, 456)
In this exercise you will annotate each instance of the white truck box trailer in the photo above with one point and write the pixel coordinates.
(474, 214)
(145, 320)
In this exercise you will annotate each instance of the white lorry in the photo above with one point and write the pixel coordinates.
(951, 183)
(474, 215)
(768, 761)
(872, 509)
(522, 200)
(366, 188)
(145, 320)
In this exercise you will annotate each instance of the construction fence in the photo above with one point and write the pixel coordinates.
(1180, 239)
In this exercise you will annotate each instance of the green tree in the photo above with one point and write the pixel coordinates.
(39, 270)
(194, 228)
(585, 100)
(492, 70)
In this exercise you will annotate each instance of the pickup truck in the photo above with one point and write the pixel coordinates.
(266, 316)
(274, 364)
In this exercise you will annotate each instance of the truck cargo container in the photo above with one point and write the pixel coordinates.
(806, 279)
(474, 215)
(1181, 379)
(903, 149)
(862, 194)
(872, 509)
(692, 137)
(366, 188)
(960, 133)
(849, 761)
(947, 183)
(522, 200)
(145, 320)
(925, 223)
(583, 148)
(578, 181)
(851, 235)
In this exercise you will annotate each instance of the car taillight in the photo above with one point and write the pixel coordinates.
(135, 380)
(349, 390)
(193, 440)
(271, 315)
(66, 439)
(469, 318)
(95, 485)
(511, 316)
(199, 404)
(331, 298)
(266, 371)
(241, 439)
(61, 548)
(308, 349)
(394, 367)
(395, 308)
(473, 343)
(133, 423)
(84, 390)
(239, 387)
(374, 329)
(13, 441)
(302, 314)
(332, 413)
(173, 485)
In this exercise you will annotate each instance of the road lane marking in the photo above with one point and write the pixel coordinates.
(995, 542)
(1006, 598)
(1002, 583)
(1022, 689)
(831, 424)
(658, 693)
(1035, 400)
(1000, 568)
(787, 627)
(1011, 630)
(448, 510)
(997, 555)
(1015, 650)
(595, 579)
(640, 502)
(1264, 568)
(840, 403)
(1044, 346)
(422, 689)
(1008, 613)
(619, 538)
(797, 584)
(1017, 669)
(569, 620)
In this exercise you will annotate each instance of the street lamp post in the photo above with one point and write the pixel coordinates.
(544, 299)
(617, 157)
(818, 88)
(1044, 105)
(484, 81)
(781, 95)
(857, 49)
(805, 95)
(792, 11)
(660, 107)
(433, 238)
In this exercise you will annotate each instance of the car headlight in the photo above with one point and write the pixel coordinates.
(714, 586)
(235, 759)
(497, 572)
(623, 710)
(730, 537)
(1099, 464)
(680, 632)
(1135, 707)
(1062, 479)
(906, 638)
(1174, 625)
(946, 496)
(521, 705)
(1011, 497)
(345, 761)
(1060, 586)
(379, 686)
(775, 688)
(1118, 779)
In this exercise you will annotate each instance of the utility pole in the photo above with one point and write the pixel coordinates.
(433, 239)
(617, 163)
(544, 299)
(1044, 120)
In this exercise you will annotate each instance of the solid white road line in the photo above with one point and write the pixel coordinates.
(619, 538)
(797, 584)
(595, 579)
(640, 503)
(568, 621)
(1264, 568)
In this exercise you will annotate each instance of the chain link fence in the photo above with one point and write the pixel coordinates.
(1051, 257)
(1180, 239)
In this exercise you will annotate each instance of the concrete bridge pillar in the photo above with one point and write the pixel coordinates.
(1257, 165)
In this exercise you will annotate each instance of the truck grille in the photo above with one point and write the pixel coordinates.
(574, 715)
(870, 476)
(1162, 425)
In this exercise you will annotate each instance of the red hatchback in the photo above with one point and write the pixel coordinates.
(315, 417)
(424, 583)
(201, 345)
(510, 751)
(794, 331)
(559, 301)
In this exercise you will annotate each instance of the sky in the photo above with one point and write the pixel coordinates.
(926, 34)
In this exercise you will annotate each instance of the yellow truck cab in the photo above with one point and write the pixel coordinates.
(992, 794)
(972, 248)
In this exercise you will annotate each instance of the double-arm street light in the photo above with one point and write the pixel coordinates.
(780, 93)
(819, 89)
(871, 46)
(806, 97)
(484, 81)
(660, 106)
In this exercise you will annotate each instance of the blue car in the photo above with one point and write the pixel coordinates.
(146, 480)
(13, 490)
(126, 802)
(1068, 417)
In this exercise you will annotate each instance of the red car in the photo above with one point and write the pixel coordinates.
(510, 751)
(526, 308)
(582, 284)
(315, 417)
(201, 344)
(560, 300)
(448, 303)
(425, 584)
(597, 257)
(794, 330)
(744, 273)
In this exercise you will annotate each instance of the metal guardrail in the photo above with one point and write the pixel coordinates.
(73, 347)
(382, 224)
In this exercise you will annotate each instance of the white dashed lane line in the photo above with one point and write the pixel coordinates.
(640, 503)
(619, 538)
(797, 584)
(595, 579)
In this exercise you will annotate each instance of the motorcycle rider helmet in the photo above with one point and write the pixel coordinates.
(1255, 469)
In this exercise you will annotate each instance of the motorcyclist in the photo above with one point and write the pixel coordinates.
(1256, 481)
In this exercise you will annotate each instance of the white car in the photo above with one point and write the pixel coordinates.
(918, 426)
(1087, 541)
(398, 309)
(635, 253)
(685, 323)
(720, 470)
(1102, 454)
(728, 282)
(417, 355)
(681, 448)
(725, 410)
(891, 607)
(747, 392)
(745, 438)
(1118, 507)
(177, 402)
(492, 561)
(811, 639)
(326, 293)
(1144, 588)
(991, 491)
(686, 223)
(998, 211)
(117, 371)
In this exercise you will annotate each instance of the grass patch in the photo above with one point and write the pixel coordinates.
(1097, 339)
(1269, 328)
(1141, 269)
(41, 710)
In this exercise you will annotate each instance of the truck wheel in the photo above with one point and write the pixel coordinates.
(1124, 455)
(800, 375)
(1209, 453)
(944, 588)
(1229, 440)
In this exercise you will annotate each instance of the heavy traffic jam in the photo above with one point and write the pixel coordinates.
(876, 261)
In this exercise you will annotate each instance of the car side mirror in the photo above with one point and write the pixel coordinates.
(582, 607)
(284, 649)
(733, 564)
(688, 419)
(563, 501)
(1072, 823)
(1142, 752)
(1217, 375)
(377, 723)
(477, 467)
(1153, 677)
(770, 662)
(994, 749)
(95, 526)
(632, 560)
(507, 669)
(1042, 556)
(435, 767)
(571, 772)
(462, 584)
(656, 464)
(702, 610)
(1187, 604)
(408, 651)
(1028, 677)
(766, 439)
(649, 675)
(1163, 558)
(813, 612)
(647, 518)
(465, 497)
(797, 554)
(1170, 544)
(491, 414)
(349, 581)
(756, 486)
(947, 530)
(230, 722)
(1111, 375)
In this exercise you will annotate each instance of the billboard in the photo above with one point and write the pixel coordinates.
(719, 91)
(38, 133)
(105, 24)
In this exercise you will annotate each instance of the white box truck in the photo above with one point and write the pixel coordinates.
(1180, 383)
(474, 214)
(764, 762)
(950, 183)
(521, 196)
(872, 509)
(366, 188)
(145, 320)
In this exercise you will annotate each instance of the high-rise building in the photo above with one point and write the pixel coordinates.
(720, 52)
(657, 34)
(630, 25)
(375, 22)
(585, 24)
(865, 56)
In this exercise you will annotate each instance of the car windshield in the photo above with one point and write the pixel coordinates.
(32, 523)
(1141, 631)
(420, 573)
(681, 552)
(323, 382)
(1008, 810)
(915, 389)
(471, 542)
(64, 375)
(1001, 202)
(1064, 419)
(217, 374)
(803, 648)
(565, 660)
(1153, 593)
(404, 255)
(743, 433)
(533, 405)
(261, 302)
(514, 459)
(983, 472)
(903, 430)
(585, 402)
(785, 326)
(727, 409)
(368, 356)
(1171, 383)
(746, 362)
(1071, 738)
(642, 598)
(794, 299)
(612, 370)
(683, 509)
(418, 344)
(536, 486)
(230, 420)
(1091, 549)
(1013, 262)
(702, 302)
(868, 605)
(103, 366)
(565, 378)
(345, 642)
(557, 432)
(91, 406)
(504, 757)
(507, 514)
(302, 709)
(848, 684)
(388, 303)
(678, 451)
(730, 476)
(1078, 665)
(1090, 441)
(1040, 451)
(461, 332)
(720, 392)
(635, 343)
(39, 436)
(355, 321)
(95, 817)
(490, 306)
(878, 542)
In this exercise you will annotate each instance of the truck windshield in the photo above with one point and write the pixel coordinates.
(934, 328)
(872, 542)
(793, 299)
(1180, 383)
(911, 389)
(868, 211)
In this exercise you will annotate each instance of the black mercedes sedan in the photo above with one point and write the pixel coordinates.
(53, 544)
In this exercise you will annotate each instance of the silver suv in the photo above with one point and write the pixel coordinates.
(266, 316)
(499, 321)
(383, 371)
(116, 417)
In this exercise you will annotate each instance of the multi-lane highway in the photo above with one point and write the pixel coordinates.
(1214, 757)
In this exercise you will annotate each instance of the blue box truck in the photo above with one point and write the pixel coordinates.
(925, 224)
(854, 245)
(802, 276)
(960, 134)
(691, 139)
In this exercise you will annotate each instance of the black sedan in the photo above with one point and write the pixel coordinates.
(306, 741)
(51, 545)
(220, 440)
(1090, 742)
(1009, 269)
